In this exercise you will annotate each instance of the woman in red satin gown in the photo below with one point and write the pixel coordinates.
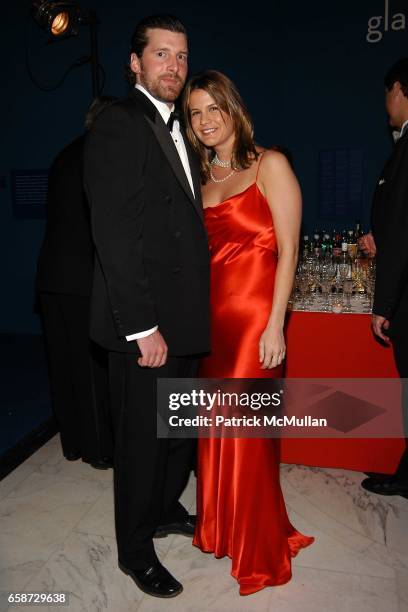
(252, 210)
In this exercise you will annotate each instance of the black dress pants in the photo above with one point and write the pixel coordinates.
(149, 473)
(400, 344)
(78, 371)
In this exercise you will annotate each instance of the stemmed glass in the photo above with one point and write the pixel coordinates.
(327, 277)
(309, 271)
(359, 276)
(303, 288)
(325, 286)
(344, 271)
(370, 284)
(348, 290)
(302, 283)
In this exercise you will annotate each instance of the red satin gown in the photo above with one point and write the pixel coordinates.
(240, 508)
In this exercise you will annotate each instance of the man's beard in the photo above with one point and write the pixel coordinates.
(166, 93)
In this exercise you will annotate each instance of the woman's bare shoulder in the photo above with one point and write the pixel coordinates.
(273, 161)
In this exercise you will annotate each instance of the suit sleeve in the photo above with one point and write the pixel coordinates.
(114, 157)
(392, 249)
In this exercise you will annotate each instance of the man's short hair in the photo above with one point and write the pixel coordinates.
(140, 38)
(398, 72)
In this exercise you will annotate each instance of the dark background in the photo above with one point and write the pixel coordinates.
(309, 76)
(311, 79)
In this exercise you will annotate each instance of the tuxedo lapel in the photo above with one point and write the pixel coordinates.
(165, 140)
(195, 174)
(163, 136)
(403, 137)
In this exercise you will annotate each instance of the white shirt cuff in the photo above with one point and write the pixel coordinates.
(142, 334)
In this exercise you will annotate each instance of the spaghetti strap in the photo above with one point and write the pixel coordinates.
(259, 163)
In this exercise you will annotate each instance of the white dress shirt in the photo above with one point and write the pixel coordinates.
(404, 125)
(396, 134)
(165, 112)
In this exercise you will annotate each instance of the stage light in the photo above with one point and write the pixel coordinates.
(60, 24)
(63, 19)
(59, 19)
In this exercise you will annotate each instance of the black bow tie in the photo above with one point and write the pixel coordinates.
(174, 116)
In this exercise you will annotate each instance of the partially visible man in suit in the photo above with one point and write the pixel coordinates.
(77, 368)
(150, 294)
(389, 242)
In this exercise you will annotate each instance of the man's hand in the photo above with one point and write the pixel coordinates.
(153, 349)
(378, 324)
(367, 244)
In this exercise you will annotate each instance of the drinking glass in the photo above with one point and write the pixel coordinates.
(304, 288)
(326, 286)
(348, 290)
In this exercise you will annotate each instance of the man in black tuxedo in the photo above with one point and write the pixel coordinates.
(77, 369)
(390, 241)
(150, 294)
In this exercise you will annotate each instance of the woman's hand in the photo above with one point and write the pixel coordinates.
(272, 348)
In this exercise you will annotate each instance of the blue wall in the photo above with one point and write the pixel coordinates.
(306, 70)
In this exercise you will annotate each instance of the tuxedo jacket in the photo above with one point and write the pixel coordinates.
(65, 263)
(152, 258)
(390, 231)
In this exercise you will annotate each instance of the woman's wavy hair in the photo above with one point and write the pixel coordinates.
(227, 97)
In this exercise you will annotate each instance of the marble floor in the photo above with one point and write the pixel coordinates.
(57, 534)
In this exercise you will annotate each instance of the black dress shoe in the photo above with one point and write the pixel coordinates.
(184, 527)
(154, 580)
(379, 475)
(72, 456)
(102, 464)
(387, 486)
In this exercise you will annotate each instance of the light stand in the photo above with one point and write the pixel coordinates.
(62, 20)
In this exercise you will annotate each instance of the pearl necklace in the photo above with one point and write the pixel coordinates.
(221, 180)
(216, 161)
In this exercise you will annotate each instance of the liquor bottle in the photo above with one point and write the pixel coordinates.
(305, 246)
(344, 262)
(329, 250)
(358, 231)
(351, 244)
(323, 246)
(317, 243)
(311, 247)
(336, 240)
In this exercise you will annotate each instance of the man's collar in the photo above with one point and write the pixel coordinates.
(404, 127)
(397, 134)
(162, 107)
